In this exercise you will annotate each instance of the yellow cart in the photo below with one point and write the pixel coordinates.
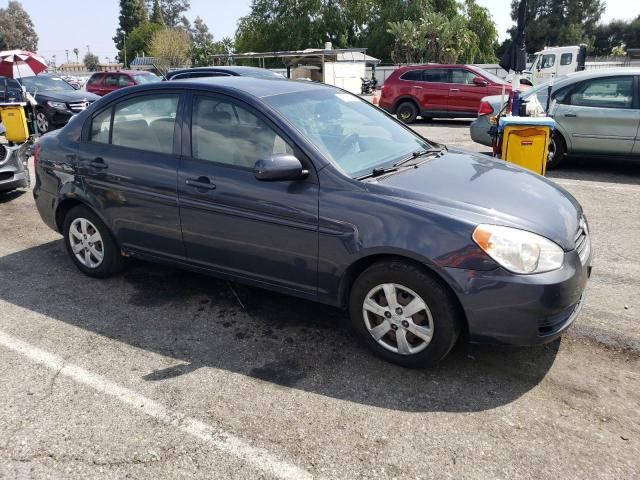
(14, 119)
(525, 141)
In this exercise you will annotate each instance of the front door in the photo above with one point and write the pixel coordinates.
(129, 163)
(464, 95)
(233, 223)
(600, 116)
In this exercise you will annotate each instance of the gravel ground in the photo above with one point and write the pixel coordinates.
(160, 373)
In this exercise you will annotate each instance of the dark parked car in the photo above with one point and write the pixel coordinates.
(308, 190)
(57, 100)
(102, 83)
(231, 71)
(438, 91)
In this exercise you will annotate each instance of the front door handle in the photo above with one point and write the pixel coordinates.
(417, 87)
(98, 164)
(570, 115)
(454, 89)
(200, 183)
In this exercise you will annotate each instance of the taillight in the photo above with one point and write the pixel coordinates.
(36, 157)
(485, 109)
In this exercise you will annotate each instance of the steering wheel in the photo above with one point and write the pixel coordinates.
(348, 143)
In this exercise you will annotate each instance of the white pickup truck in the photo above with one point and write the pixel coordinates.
(554, 62)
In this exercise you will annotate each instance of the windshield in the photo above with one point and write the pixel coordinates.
(490, 76)
(148, 78)
(350, 132)
(51, 84)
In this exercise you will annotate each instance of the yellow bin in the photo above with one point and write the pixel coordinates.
(525, 141)
(14, 119)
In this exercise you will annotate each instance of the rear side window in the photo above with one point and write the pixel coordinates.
(436, 75)
(101, 127)
(566, 58)
(612, 92)
(143, 123)
(412, 75)
(111, 80)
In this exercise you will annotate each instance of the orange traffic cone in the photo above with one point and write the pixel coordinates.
(375, 99)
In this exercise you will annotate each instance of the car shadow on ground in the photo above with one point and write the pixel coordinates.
(11, 195)
(608, 170)
(205, 322)
(444, 122)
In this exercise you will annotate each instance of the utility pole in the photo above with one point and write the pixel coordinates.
(67, 53)
(124, 35)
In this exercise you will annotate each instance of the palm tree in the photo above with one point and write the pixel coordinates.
(77, 52)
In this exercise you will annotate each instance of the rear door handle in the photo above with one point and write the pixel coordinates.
(454, 89)
(203, 183)
(570, 115)
(98, 164)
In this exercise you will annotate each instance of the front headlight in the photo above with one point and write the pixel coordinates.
(57, 105)
(517, 250)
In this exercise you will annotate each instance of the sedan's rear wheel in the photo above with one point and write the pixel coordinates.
(404, 314)
(557, 152)
(90, 244)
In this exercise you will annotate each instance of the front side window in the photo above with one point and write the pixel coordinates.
(460, 75)
(613, 92)
(146, 123)
(111, 80)
(223, 132)
(566, 58)
(123, 81)
(350, 132)
(546, 61)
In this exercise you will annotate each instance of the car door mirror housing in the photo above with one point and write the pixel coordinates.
(282, 167)
(480, 82)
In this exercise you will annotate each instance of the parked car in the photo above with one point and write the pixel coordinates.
(443, 91)
(305, 189)
(597, 112)
(102, 83)
(14, 172)
(230, 71)
(57, 100)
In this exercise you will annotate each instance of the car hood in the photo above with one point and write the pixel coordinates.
(478, 189)
(65, 96)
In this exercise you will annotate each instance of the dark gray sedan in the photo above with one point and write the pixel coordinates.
(597, 113)
(308, 190)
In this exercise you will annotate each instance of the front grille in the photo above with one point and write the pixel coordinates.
(79, 106)
(3, 154)
(582, 241)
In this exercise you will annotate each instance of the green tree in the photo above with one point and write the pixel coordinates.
(479, 22)
(139, 40)
(559, 22)
(609, 35)
(173, 12)
(16, 28)
(171, 46)
(133, 13)
(91, 62)
(202, 44)
(156, 13)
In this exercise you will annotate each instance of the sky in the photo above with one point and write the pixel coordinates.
(82, 24)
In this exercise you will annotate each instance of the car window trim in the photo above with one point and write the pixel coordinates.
(187, 150)
(177, 129)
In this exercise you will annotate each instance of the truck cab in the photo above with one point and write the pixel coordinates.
(556, 61)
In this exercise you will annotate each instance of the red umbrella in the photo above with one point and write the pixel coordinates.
(21, 63)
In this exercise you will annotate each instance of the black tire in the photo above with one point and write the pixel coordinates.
(407, 112)
(112, 261)
(445, 312)
(557, 152)
(43, 122)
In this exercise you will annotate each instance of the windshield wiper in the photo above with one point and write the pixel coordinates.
(376, 172)
(418, 154)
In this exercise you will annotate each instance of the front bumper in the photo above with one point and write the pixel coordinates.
(521, 309)
(13, 171)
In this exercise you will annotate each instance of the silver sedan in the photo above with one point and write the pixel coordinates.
(597, 112)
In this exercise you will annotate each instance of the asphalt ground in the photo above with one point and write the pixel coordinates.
(159, 373)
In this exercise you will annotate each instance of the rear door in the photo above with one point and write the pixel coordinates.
(233, 223)
(129, 163)
(433, 91)
(464, 95)
(600, 116)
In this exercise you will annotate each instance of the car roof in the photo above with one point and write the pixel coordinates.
(240, 86)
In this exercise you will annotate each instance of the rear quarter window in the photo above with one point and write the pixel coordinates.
(412, 75)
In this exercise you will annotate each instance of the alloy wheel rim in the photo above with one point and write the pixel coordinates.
(42, 122)
(398, 318)
(86, 243)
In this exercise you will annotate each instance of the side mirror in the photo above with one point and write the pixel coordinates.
(480, 82)
(278, 168)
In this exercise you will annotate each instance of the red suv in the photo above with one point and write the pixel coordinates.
(443, 91)
(102, 83)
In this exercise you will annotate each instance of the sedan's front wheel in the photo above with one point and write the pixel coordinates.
(404, 314)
